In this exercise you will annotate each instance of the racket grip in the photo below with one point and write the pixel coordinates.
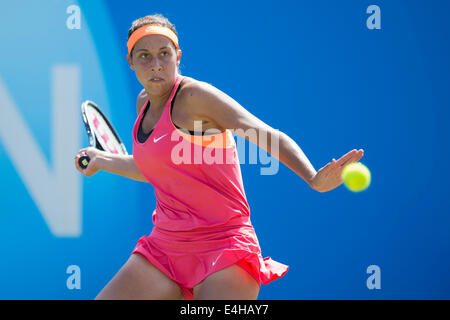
(84, 161)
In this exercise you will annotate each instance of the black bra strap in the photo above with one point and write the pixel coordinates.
(171, 107)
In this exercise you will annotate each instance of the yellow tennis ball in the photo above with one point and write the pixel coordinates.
(356, 176)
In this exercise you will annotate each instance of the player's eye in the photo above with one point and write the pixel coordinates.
(143, 55)
(164, 53)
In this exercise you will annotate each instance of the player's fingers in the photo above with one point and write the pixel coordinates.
(356, 157)
(347, 156)
(90, 169)
(82, 152)
(360, 154)
(87, 151)
(330, 165)
(351, 160)
(86, 171)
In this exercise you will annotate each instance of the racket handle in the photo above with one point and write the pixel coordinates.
(84, 161)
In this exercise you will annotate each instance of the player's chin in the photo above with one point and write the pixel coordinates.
(153, 88)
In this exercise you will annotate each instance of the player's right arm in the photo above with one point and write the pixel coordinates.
(122, 165)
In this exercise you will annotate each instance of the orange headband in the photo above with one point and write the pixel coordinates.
(148, 30)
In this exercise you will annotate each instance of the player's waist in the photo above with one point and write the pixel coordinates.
(209, 233)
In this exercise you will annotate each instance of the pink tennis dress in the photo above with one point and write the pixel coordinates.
(202, 218)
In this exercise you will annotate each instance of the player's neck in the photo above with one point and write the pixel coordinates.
(158, 102)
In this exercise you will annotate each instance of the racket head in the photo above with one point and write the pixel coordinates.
(101, 133)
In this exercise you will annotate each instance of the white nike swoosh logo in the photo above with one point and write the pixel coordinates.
(156, 140)
(214, 263)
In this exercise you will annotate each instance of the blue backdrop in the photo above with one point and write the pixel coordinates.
(313, 70)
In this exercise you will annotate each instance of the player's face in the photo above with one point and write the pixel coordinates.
(153, 57)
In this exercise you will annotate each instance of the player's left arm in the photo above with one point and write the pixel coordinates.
(213, 104)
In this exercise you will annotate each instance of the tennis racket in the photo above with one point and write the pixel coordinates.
(101, 133)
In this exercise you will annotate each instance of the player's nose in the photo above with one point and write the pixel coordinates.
(155, 65)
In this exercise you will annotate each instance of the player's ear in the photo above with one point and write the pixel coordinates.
(130, 62)
(178, 57)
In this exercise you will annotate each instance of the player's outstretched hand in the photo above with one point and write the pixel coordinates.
(329, 177)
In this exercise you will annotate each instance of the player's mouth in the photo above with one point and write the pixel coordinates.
(156, 79)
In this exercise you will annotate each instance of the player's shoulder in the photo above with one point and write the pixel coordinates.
(142, 97)
(191, 84)
(192, 90)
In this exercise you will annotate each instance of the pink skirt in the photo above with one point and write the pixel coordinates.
(189, 257)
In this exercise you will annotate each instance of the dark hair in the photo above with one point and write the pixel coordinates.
(154, 19)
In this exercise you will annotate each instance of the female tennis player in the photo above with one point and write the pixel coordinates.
(203, 244)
